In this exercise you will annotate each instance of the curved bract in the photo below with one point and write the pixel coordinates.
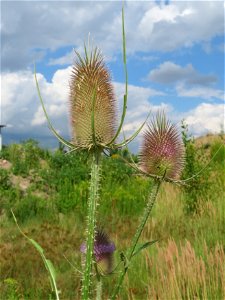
(92, 102)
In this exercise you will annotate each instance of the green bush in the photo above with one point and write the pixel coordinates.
(218, 149)
(24, 157)
(8, 198)
(4, 179)
(10, 289)
(127, 199)
(114, 170)
(195, 160)
(32, 206)
(71, 195)
(72, 166)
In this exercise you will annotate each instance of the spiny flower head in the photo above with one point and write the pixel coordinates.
(103, 251)
(162, 151)
(92, 101)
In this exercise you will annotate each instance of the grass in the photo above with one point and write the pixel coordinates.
(186, 263)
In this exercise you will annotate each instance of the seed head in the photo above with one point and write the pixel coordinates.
(162, 151)
(91, 80)
(103, 251)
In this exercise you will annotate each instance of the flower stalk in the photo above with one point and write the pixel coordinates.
(151, 201)
(99, 289)
(91, 224)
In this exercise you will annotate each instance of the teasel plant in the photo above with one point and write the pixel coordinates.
(93, 119)
(162, 157)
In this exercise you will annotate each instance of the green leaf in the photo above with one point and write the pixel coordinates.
(61, 139)
(126, 82)
(48, 264)
(51, 268)
(139, 248)
(127, 141)
(36, 245)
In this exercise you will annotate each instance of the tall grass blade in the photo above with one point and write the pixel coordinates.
(48, 264)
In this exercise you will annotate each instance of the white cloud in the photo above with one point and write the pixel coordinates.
(180, 24)
(139, 105)
(30, 28)
(170, 73)
(187, 80)
(63, 60)
(204, 92)
(21, 106)
(206, 118)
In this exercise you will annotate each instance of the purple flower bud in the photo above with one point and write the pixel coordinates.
(103, 251)
(162, 150)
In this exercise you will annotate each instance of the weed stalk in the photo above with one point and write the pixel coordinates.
(147, 211)
(91, 224)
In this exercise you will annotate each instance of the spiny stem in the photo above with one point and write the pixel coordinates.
(151, 201)
(91, 224)
(99, 290)
(98, 284)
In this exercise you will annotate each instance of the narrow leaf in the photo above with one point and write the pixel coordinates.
(36, 245)
(143, 246)
(126, 82)
(61, 139)
(48, 264)
(127, 141)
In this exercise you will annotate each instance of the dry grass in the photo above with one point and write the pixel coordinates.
(180, 274)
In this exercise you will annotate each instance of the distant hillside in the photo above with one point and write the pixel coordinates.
(209, 139)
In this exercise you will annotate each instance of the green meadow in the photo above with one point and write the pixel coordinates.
(48, 192)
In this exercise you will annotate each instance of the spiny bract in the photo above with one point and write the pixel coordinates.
(162, 151)
(91, 90)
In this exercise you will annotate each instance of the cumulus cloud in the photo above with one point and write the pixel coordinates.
(206, 93)
(22, 110)
(170, 73)
(21, 106)
(63, 60)
(30, 29)
(188, 81)
(206, 118)
(139, 104)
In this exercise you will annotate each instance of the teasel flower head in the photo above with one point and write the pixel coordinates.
(103, 251)
(162, 151)
(92, 101)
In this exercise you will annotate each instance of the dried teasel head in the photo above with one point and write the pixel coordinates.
(103, 251)
(162, 151)
(92, 101)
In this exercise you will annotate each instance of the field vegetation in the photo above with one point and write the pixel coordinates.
(48, 191)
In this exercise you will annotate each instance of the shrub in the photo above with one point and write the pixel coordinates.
(24, 157)
(4, 180)
(196, 160)
(33, 206)
(71, 195)
(218, 148)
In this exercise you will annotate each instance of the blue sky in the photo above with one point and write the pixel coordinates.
(175, 54)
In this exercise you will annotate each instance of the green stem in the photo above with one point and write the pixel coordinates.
(99, 290)
(91, 223)
(99, 283)
(151, 201)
